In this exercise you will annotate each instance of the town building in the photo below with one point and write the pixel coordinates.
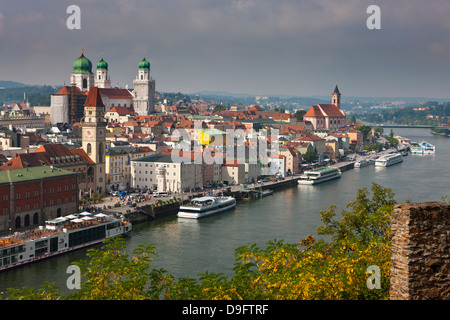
(233, 172)
(118, 166)
(30, 196)
(162, 172)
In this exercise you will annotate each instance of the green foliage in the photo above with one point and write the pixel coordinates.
(310, 155)
(367, 218)
(365, 129)
(37, 95)
(299, 114)
(218, 108)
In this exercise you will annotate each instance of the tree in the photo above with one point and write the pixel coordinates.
(218, 108)
(299, 114)
(310, 155)
(365, 129)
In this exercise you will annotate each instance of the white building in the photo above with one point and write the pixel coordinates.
(160, 172)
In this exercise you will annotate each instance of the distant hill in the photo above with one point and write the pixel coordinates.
(12, 84)
(36, 95)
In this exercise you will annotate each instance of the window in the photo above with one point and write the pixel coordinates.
(89, 148)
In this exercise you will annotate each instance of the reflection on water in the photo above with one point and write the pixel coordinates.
(189, 247)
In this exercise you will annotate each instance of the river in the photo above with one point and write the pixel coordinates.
(189, 247)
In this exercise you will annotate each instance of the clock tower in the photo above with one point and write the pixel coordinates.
(93, 126)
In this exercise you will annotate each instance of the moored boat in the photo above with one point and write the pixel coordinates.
(415, 148)
(389, 160)
(361, 163)
(319, 175)
(58, 236)
(428, 148)
(205, 206)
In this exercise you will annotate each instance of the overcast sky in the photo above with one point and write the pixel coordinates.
(262, 47)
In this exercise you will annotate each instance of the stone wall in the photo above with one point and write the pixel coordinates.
(420, 257)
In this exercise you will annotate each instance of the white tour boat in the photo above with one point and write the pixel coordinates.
(361, 163)
(415, 148)
(389, 160)
(319, 175)
(428, 148)
(205, 206)
(58, 236)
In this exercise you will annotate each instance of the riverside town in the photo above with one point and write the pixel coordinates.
(132, 177)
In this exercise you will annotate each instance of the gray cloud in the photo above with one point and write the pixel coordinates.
(257, 46)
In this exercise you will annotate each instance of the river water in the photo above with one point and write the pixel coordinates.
(189, 247)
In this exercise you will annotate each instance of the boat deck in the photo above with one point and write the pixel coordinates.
(34, 234)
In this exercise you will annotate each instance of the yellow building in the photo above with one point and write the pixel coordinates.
(213, 137)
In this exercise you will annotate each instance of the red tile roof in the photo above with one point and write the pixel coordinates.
(94, 99)
(66, 91)
(122, 111)
(47, 155)
(324, 110)
(115, 93)
(314, 111)
(331, 110)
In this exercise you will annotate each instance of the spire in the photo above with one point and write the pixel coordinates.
(94, 99)
(336, 90)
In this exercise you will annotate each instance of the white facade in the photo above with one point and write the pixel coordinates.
(102, 79)
(59, 109)
(82, 80)
(165, 175)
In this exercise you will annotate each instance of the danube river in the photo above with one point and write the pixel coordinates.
(189, 247)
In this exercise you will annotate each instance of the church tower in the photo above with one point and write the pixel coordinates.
(144, 90)
(102, 79)
(82, 75)
(93, 127)
(336, 97)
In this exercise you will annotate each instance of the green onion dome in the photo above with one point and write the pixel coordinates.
(144, 65)
(82, 65)
(102, 65)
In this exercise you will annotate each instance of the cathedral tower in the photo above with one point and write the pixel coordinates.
(144, 90)
(102, 79)
(93, 126)
(82, 75)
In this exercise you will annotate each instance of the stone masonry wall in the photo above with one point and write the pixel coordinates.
(420, 256)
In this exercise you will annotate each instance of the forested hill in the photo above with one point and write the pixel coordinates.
(429, 113)
(37, 95)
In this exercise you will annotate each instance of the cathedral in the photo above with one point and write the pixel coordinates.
(67, 105)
